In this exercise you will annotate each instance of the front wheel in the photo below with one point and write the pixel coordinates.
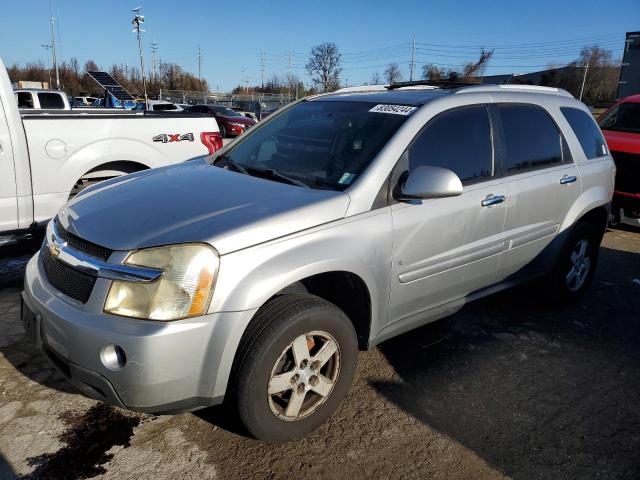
(294, 367)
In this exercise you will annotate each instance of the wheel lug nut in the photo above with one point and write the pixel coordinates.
(303, 364)
(315, 365)
(301, 388)
(313, 381)
(295, 378)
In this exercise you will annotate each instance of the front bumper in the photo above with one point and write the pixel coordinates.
(170, 366)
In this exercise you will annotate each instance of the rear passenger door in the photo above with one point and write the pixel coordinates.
(542, 181)
(446, 248)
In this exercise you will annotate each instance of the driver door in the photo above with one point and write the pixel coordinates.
(446, 248)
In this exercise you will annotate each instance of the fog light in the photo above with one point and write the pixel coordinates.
(113, 357)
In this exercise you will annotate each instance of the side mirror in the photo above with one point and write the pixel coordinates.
(430, 182)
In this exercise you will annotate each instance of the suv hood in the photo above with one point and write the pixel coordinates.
(195, 201)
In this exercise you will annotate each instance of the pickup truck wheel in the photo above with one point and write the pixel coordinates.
(577, 263)
(295, 367)
(223, 131)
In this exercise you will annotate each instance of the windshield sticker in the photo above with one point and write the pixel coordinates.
(395, 109)
(346, 178)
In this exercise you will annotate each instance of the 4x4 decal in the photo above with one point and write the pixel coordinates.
(173, 137)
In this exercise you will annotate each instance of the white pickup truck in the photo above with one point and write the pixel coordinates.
(46, 156)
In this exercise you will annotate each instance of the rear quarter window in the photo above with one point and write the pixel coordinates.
(585, 128)
(50, 100)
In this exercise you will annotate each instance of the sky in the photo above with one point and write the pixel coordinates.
(526, 35)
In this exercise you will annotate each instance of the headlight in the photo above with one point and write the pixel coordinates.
(184, 290)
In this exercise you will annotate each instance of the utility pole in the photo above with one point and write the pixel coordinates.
(584, 79)
(47, 48)
(289, 77)
(242, 81)
(262, 57)
(413, 58)
(204, 97)
(154, 50)
(53, 44)
(136, 22)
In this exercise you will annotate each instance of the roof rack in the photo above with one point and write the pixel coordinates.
(444, 84)
(363, 88)
(514, 88)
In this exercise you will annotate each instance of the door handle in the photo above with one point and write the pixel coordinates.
(568, 179)
(492, 200)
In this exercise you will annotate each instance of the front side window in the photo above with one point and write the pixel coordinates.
(624, 117)
(323, 144)
(587, 132)
(50, 100)
(459, 140)
(531, 138)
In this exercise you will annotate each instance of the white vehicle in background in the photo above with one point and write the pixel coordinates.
(159, 106)
(84, 101)
(36, 99)
(48, 156)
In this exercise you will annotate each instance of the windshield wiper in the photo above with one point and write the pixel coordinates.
(275, 175)
(234, 164)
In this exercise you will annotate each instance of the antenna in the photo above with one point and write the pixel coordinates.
(154, 50)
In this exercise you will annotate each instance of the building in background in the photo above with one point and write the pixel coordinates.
(629, 83)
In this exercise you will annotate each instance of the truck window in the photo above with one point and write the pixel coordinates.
(531, 138)
(25, 100)
(589, 136)
(459, 140)
(50, 100)
(624, 117)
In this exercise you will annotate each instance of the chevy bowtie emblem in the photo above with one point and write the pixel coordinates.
(54, 249)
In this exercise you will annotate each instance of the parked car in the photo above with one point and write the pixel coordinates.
(35, 99)
(46, 156)
(159, 106)
(621, 127)
(245, 113)
(231, 123)
(255, 275)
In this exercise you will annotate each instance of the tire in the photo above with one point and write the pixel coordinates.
(223, 131)
(576, 264)
(267, 360)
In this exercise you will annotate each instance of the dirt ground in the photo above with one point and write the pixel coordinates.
(510, 387)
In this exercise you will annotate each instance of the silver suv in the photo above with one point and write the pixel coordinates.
(255, 275)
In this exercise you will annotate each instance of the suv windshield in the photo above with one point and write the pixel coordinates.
(323, 144)
(624, 117)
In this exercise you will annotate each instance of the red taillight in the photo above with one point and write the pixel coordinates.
(211, 140)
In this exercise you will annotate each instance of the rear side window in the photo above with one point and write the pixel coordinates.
(25, 100)
(50, 100)
(589, 136)
(459, 140)
(531, 138)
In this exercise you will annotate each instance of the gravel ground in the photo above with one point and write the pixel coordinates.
(510, 387)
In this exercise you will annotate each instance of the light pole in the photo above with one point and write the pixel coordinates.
(136, 22)
(47, 48)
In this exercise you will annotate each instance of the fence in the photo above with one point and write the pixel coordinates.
(248, 101)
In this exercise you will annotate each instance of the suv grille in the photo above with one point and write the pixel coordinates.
(81, 245)
(68, 280)
(628, 171)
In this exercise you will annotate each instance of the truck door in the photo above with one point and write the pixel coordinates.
(8, 199)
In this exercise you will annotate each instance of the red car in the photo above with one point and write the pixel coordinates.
(621, 127)
(230, 122)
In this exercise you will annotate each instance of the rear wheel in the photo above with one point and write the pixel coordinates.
(223, 131)
(294, 367)
(577, 263)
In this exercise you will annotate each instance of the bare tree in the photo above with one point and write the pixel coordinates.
(393, 74)
(475, 69)
(324, 66)
(433, 73)
(376, 79)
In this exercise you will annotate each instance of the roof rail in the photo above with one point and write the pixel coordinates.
(444, 84)
(515, 88)
(363, 88)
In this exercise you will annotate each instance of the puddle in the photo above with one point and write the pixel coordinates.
(88, 438)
